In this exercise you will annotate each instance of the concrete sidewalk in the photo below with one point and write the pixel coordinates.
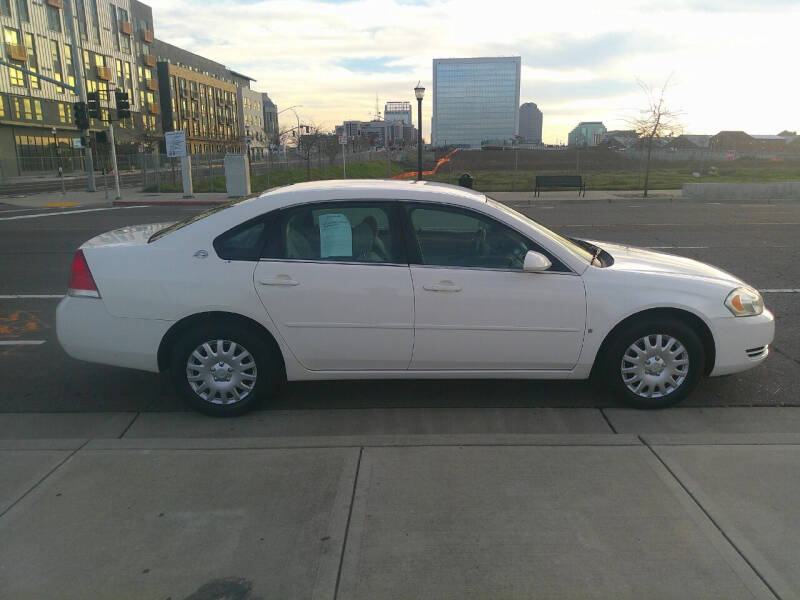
(376, 503)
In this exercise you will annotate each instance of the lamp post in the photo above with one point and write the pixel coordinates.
(60, 164)
(419, 92)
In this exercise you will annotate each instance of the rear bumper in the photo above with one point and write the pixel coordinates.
(87, 331)
(742, 342)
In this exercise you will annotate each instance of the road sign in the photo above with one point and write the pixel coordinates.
(731, 155)
(176, 143)
(343, 140)
(77, 143)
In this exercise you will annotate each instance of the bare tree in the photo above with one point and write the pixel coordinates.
(657, 120)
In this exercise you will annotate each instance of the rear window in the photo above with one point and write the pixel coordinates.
(193, 219)
(243, 242)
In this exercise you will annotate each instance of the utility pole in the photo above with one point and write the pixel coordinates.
(114, 158)
(80, 88)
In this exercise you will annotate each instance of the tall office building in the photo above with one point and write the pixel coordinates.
(270, 118)
(398, 111)
(475, 100)
(530, 123)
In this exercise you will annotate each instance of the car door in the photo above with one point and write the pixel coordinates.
(475, 308)
(338, 287)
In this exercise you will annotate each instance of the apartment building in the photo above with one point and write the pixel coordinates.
(199, 96)
(251, 122)
(115, 46)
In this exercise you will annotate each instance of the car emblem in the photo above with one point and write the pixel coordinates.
(201, 254)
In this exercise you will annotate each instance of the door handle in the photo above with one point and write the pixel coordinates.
(442, 286)
(279, 280)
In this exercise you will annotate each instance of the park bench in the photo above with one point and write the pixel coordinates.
(551, 181)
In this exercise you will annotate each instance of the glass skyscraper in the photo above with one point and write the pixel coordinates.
(475, 100)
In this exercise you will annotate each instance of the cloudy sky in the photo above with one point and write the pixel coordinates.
(733, 62)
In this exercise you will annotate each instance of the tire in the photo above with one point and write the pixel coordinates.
(248, 370)
(667, 367)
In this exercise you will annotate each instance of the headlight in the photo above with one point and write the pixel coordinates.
(745, 302)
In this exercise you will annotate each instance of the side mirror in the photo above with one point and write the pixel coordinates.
(535, 262)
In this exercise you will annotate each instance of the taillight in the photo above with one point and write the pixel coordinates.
(81, 282)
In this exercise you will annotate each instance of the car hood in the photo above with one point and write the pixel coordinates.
(129, 236)
(642, 260)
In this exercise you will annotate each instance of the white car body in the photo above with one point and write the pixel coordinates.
(361, 321)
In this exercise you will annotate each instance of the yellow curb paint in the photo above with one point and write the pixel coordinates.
(60, 204)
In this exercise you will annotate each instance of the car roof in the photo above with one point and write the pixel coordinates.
(363, 189)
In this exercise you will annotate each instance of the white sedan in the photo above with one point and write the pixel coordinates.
(381, 279)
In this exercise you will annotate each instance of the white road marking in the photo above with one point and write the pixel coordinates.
(28, 296)
(66, 212)
(21, 342)
(674, 247)
(782, 291)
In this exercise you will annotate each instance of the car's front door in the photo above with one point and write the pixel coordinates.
(338, 287)
(475, 308)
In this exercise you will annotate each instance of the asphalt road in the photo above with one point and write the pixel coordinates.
(759, 242)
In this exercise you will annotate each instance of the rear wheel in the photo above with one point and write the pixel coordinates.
(654, 363)
(223, 369)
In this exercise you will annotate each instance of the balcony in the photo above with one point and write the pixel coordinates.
(149, 59)
(152, 85)
(147, 36)
(125, 27)
(154, 108)
(55, 3)
(104, 73)
(17, 52)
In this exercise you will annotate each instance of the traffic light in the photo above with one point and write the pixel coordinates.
(123, 105)
(81, 115)
(93, 103)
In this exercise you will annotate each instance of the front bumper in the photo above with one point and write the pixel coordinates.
(87, 331)
(742, 342)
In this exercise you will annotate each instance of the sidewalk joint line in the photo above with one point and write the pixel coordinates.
(608, 421)
(45, 476)
(347, 525)
(124, 431)
(709, 517)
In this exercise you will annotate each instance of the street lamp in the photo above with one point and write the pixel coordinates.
(419, 92)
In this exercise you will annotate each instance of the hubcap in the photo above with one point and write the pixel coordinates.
(221, 371)
(655, 365)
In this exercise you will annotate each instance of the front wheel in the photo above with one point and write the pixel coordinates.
(654, 364)
(223, 369)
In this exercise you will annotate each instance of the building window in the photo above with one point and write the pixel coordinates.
(112, 10)
(120, 78)
(95, 22)
(53, 18)
(62, 113)
(125, 39)
(69, 65)
(128, 78)
(22, 10)
(11, 36)
(80, 14)
(33, 63)
(5, 8)
(56, 60)
(2, 107)
(102, 90)
(87, 63)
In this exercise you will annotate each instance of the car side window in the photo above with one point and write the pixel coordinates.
(243, 242)
(455, 237)
(343, 232)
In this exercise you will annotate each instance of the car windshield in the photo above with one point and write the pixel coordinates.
(569, 245)
(194, 218)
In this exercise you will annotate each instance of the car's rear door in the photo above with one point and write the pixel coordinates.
(337, 285)
(475, 308)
